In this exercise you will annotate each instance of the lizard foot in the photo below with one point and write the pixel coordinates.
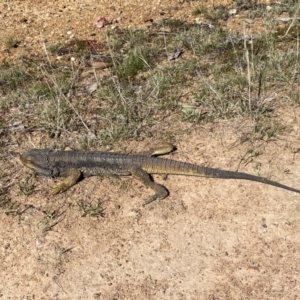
(160, 191)
(72, 177)
(162, 149)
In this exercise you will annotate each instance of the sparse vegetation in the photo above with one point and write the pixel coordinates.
(11, 42)
(26, 186)
(13, 78)
(92, 209)
(50, 218)
(216, 14)
(7, 205)
(219, 75)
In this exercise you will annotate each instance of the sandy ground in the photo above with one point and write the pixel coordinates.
(210, 239)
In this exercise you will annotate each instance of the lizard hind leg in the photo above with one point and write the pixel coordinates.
(160, 191)
(72, 177)
(162, 149)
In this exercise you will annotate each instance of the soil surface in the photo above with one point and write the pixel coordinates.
(210, 239)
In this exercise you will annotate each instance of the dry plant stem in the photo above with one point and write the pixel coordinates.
(248, 69)
(293, 20)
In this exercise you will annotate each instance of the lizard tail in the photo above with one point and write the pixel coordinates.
(217, 173)
(167, 166)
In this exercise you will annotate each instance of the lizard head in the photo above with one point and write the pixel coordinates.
(37, 160)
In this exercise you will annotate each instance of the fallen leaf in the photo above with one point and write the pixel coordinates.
(101, 64)
(287, 19)
(92, 88)
(175, 55)
(100, 23)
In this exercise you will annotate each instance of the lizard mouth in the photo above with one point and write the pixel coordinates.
(27, 161)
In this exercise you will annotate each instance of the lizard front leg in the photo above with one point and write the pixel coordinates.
(72, 177)
(160, 191)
